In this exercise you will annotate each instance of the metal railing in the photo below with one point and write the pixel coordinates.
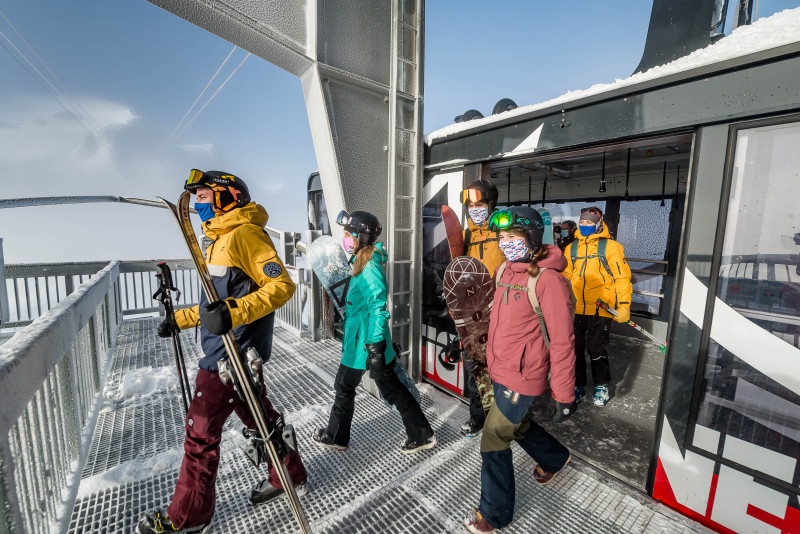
(35, 288)
(50, 391)
(291, 313)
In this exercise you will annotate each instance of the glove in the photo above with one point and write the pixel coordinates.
(376, 362)
(167, 327)
(562, 410)
(624, 314)
(217, 318)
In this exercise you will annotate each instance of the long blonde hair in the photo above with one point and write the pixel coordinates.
(533, 268)
(363, 255)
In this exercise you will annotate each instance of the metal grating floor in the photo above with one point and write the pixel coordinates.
(370, 488)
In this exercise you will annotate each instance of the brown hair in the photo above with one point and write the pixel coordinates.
(363, 255)
(533, 268)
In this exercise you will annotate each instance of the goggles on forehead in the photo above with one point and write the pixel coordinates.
(343, 218)
(472, 195)
(596, 211)
(195, 177)
(502, 219)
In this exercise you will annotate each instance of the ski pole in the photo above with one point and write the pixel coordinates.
(662, 345)
(164, 295)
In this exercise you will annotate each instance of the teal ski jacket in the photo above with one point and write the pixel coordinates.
(367, 319)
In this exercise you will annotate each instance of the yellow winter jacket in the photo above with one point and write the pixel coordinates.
(241, 246)
(483, 246)
(590, 280)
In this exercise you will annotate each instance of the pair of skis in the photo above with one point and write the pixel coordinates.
(269, 439)
(662, 345)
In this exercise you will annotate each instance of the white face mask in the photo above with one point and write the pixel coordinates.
(478, 215)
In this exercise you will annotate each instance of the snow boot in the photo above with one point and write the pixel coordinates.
(544, 478)
(323, 439)
(410, 447)
(600, 395)
(476, 523)
(470, 429)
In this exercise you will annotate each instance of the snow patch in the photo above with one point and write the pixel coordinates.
(147, 380)
(771, 32)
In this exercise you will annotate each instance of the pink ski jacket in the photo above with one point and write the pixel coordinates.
(515, 351)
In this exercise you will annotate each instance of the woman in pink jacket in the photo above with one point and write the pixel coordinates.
(520, 356)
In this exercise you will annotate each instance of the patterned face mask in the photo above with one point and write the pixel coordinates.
(514, 249)
(478, 215)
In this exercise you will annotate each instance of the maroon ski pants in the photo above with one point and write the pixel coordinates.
(195, 495)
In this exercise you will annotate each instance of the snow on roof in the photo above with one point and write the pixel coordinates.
(771, 32)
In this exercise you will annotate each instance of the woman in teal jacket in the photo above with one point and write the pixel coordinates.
(367, 342)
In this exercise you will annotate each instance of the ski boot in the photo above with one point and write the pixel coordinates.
(580, 392)
(158, 522)
(263, 492)
(600, 397)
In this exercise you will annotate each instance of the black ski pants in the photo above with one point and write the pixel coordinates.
(345, 384)
(591, 333)
(477, 415)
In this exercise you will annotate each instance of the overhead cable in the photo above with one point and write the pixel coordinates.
(212, 96)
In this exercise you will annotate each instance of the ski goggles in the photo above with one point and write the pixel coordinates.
(344, 218)
(503, 219)
(196, 179)
(473, 195)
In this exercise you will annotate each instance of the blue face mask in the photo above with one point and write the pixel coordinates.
(586, 231)
(205, 210)
(564, 233)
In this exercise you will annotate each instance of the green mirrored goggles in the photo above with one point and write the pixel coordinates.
(502, 219)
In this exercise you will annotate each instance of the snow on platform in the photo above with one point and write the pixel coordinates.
(372, 487)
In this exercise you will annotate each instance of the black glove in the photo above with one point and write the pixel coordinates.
(217, 318)
(376, 362)
(562, 410)
(167, 327)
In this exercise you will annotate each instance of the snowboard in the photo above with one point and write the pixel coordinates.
(270, 441)
(547, 219)
(469, 290)
(329, 262)
(452, 227)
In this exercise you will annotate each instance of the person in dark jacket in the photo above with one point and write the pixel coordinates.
(520, 356)
(367, 343)
(566, 234)
(253, 283)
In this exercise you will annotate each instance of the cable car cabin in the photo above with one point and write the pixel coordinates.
(698, 175)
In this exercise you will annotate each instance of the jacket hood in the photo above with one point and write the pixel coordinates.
(602, 233)
(251, 213)
(555, 260)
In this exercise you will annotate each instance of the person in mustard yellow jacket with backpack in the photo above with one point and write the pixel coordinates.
(597, 269)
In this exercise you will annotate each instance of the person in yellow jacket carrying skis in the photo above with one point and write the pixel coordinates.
(597, 269)
(480, 199)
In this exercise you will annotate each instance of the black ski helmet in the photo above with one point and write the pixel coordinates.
(480, 191)
(229, 191)
(362, 223)
(523, 218)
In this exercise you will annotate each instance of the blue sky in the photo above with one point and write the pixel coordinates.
(136, 69)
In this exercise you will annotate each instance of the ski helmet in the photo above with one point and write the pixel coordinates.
(229, 191)
(365, 225)
(523, 218)
(480, 191)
